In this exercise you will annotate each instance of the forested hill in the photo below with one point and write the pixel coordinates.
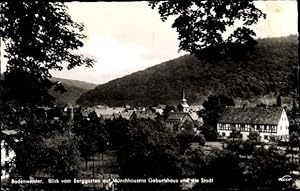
(74, 89)
(80, 84)
(270, 68)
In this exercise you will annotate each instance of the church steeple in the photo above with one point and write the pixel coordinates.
(183, 95)
(183, 100)
(183, 105)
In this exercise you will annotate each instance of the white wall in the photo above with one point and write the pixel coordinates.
(283, 124)
(282, 130)
(6, 156)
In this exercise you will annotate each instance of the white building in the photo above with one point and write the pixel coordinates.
(7, 153)
(268, 122)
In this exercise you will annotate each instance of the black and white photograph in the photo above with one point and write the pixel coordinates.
(168, 95)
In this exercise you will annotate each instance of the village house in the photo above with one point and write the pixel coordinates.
(178, 118)
(182, 115)
(103, 113)
(8, 141)
(267, 121)
(126, 114)
(142, 115)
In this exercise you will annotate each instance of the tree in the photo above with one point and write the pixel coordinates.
(254, 137)
(43, 146)
(61, 155)
(102, 141)
(201, 25)
(147, 143)
(293, 112)
(266, 167)
(193, 163)
(224, 168)
(167, 110)
(186, 136)
(235, 133)
(247, 148)
(38, 37)
(86, 131)
(213, 108)
(116, 130)
(278, 101)
(294, 147)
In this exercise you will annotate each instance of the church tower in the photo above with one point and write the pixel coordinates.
(183, 106)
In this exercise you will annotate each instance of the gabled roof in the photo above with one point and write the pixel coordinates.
(106, 116)
(143, 115)
(177, 116)
(105, 112)
(257, 115)
(126, 115)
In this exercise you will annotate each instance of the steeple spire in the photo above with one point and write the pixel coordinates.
(183, 105)
(183, 96)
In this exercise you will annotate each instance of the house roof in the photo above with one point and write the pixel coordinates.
(177, 116)
(9, 132)
(257, 115)
(10, 136)
(184, 105)
(126, 115)
(144, 115)
(194, 116)
(85, 112)
(117, 115)
(106, 116)
(105, 112)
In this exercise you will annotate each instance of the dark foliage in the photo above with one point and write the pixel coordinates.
(44, 146)
(201, 25)
(92, 136)
(213, 108)
(38, 37)
(116, 130)
(150, 150)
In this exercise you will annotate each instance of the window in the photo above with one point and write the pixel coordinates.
(223, 134)
(274, 129)
(266, 137)
(280, 127)
(257, 128)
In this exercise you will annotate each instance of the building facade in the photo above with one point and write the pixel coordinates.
(268, 122)
(7, 153)
(182, 115)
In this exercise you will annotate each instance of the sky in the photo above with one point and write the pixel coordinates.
(125, 37)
